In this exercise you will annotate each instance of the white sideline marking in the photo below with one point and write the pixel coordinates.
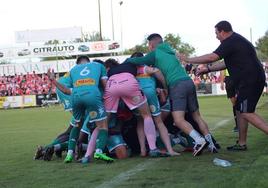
(117, 180)
(124, 176)
(221, 124)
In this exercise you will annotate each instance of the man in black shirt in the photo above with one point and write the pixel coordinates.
(246, 71)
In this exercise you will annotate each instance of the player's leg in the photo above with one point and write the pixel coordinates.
(118, 146)
(193, 108)
(98, 115)
(133, 98)
(72, 142)
(78, 112)
(149, 129)
(101, 142)
(178, 100)
(164, 135)
(165, 110)
(154, 106)
(91, 146)
(247, 100)
(141, 136)
(230, 90)
(59, 144)
(57, 148)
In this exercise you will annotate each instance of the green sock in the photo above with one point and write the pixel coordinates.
(73, 138)
(102, 139)
(64, 145)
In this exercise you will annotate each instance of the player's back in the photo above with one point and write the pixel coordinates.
(87, 76)
(145, 80)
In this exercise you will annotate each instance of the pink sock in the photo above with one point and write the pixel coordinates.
(149, 130)
(92, 143)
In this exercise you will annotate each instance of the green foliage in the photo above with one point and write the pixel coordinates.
(177, 44)
(22, 130)
(262, 47)
(174, 41)
(52, 42)
(138, 48)
(94, 36)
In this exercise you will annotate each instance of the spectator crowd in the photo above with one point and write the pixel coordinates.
(29, 84)
(33, 84)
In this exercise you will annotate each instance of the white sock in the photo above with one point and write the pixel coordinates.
(56, 147)
(98, 151)
(196, 136)
(70, 152)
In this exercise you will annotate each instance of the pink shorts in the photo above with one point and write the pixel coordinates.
(126, 87)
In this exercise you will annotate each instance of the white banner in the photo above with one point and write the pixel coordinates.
(68, 49)
(42, 67)
(17, 101)
(68, 33)
(38, 68)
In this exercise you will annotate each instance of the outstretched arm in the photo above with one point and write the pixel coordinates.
(217, 66)
(61, 87)
(204, 59)
(149, 59)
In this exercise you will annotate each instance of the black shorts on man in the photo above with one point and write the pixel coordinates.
(229, 87)
(248, 97)
(183, 96)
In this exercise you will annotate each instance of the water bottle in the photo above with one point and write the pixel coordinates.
(221, 162)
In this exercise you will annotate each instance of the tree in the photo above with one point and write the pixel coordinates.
(138, 48)
(174, 41)
(91, 37)
(52, 42)
(94, 36)
(262, 47)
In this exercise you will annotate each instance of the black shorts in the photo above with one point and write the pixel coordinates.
(183, 96)
(229, 87)
(248, 97)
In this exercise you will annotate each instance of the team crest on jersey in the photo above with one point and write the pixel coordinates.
(66, 74)
(93, 114)
(87, 81)
(152, 108)
(136, 99)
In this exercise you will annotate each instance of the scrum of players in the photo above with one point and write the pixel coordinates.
(143, 106)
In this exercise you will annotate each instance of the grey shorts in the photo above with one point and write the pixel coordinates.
(183, 96)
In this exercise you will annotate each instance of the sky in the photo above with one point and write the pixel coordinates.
(193, 20)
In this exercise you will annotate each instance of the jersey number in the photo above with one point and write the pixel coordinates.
(85, 71)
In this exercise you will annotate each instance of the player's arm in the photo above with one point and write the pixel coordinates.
(103, 83)
(204, 59)
(149, 59)
(104, 77)
(158, 75)
(204, 69)
(61, 87)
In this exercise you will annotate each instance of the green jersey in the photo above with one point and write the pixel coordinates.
(164, 58)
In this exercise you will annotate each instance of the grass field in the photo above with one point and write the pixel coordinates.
(21, 130)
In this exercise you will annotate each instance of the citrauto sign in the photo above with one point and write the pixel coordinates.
(67, 49)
